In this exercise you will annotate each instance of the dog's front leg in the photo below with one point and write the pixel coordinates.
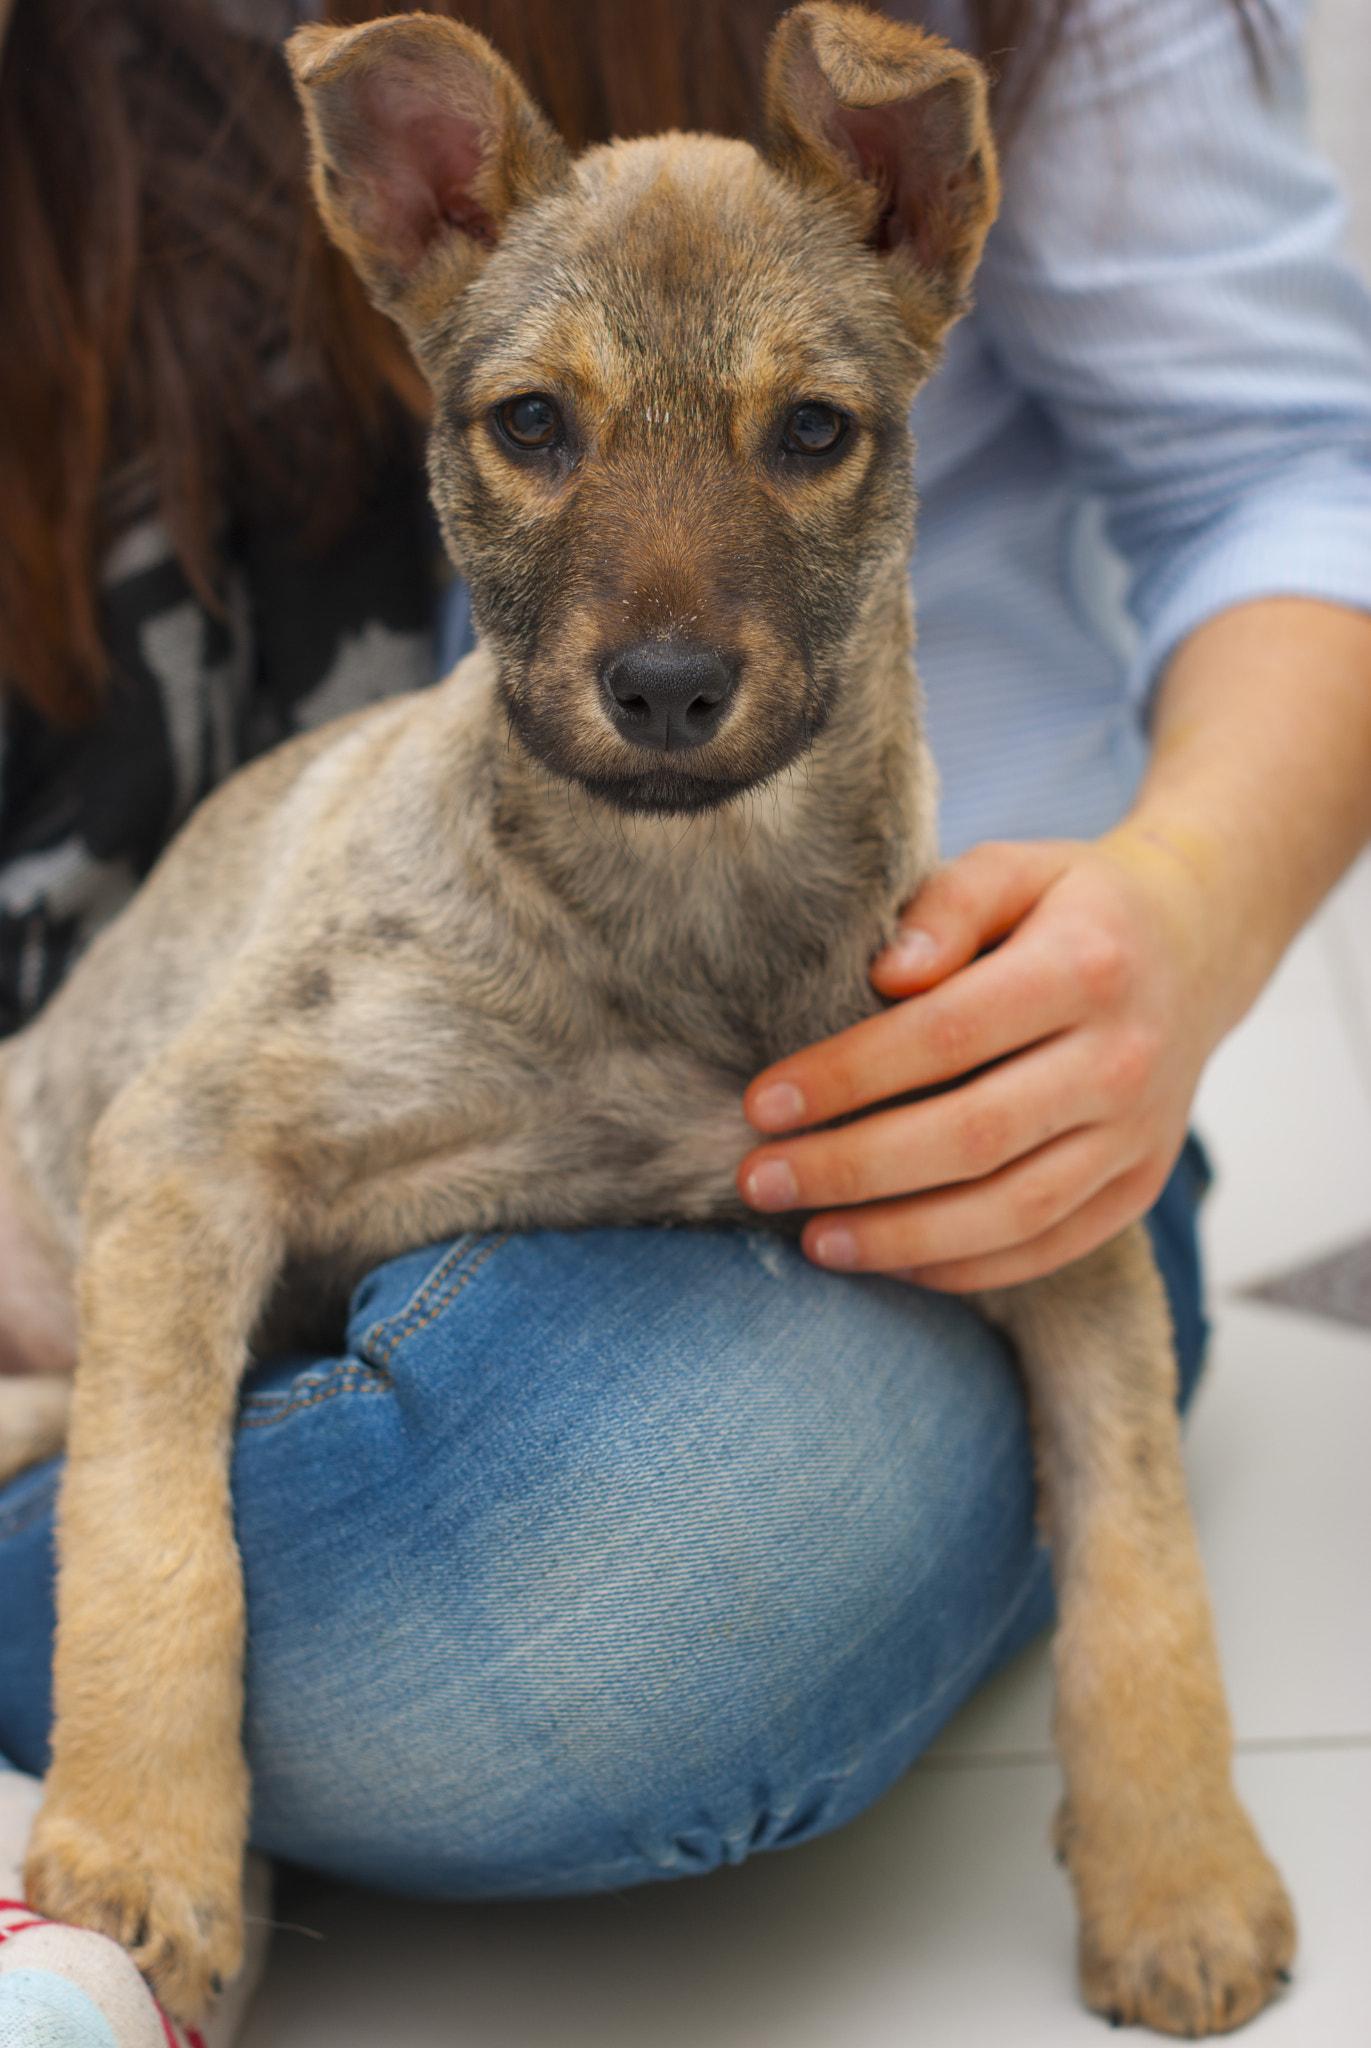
(142, 1830)
(1184, 1924)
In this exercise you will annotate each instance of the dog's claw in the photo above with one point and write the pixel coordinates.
(1198, 1951)
(184, 1934)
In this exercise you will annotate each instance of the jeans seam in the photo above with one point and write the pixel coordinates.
(410, 1322)
(441, 1273)
(369, 1375)
(260, 1411)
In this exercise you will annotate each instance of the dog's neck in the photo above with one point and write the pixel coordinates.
(800, 879)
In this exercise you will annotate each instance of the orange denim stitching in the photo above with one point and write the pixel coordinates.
(368, 1377)
(410, 1329)
(358, 1379)
(441, 1273)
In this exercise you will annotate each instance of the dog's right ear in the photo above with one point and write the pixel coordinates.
(423, 143)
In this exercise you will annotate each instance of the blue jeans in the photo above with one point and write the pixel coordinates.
(608, 1556)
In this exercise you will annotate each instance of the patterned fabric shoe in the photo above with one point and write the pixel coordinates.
(64, 1987)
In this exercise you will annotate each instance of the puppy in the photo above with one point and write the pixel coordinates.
(465, 962)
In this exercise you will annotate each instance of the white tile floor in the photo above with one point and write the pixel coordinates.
(939, 1916)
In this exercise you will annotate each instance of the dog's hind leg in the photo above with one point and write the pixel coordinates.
(1184, 1924)
(34, 1407)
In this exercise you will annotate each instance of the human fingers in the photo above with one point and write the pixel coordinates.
(965, 1134)
(1033, 1215)
(964, 906)
(1027, 990)
(1113, 1207)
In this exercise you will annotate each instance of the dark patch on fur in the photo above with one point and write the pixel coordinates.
(633, 1149)
(387, 928)
(312, 989)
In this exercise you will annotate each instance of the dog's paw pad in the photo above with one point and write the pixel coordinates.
(183, 1937)
(1185, 1924)
(1194, 1963)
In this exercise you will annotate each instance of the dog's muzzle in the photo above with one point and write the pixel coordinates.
(667, 694)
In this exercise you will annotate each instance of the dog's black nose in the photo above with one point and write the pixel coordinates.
(667, 694)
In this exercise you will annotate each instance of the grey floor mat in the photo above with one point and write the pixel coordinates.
(1337, 1286)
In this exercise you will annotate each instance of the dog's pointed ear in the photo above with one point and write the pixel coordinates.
(423, 143)
(893, 122)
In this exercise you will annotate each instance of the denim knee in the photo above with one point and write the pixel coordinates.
(625, 1552)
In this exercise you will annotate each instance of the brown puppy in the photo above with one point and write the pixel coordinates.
(505, 954)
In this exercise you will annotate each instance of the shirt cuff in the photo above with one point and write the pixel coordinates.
(1302, 535)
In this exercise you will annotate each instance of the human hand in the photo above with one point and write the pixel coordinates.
(1084, 1031)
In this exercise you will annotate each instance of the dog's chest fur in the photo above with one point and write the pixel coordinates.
(404, 957)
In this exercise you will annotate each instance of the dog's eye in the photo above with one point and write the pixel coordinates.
(814, 430)
(529, 422)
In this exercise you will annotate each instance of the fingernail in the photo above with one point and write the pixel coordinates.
(778, 1107)
(914, 950)
(835, 1247)
(771, 1185)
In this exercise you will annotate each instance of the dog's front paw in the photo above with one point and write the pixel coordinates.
(1191, 1940)
(178, 1914)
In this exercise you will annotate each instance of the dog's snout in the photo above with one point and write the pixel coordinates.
(667, 694)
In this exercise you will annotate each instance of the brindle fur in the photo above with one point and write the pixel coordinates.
(473, 959)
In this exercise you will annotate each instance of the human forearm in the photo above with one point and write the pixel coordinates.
(1259, 787)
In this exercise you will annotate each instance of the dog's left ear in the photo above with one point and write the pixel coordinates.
(423, 142)
(894, 123)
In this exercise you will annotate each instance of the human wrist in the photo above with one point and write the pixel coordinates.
(1212, 914)
(1259, 786)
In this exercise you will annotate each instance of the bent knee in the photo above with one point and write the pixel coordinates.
(640, 1605)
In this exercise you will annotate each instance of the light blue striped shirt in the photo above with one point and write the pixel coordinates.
(1160, 407)
(1163, 396)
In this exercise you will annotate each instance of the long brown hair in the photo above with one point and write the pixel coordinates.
(173, 328)
(600, 68)
(603, 68)
(171, 321)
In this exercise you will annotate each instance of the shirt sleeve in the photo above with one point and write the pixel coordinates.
(1165, 280)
